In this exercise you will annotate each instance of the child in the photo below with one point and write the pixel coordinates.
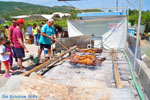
(8, 48)
(4, 55)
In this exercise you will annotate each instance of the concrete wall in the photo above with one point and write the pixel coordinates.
(142, 71)
(144, 76)
(146, 60)
(80, 41)
(132, 45)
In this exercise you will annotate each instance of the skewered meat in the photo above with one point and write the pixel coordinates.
(93, 50)
(86, 59)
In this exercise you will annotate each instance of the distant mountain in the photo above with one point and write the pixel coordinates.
(20, 8)
(8, 9)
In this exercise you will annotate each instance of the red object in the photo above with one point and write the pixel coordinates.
(6, 64)
(20, 21)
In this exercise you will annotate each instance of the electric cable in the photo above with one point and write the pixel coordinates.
(69, 4)
(131, 4)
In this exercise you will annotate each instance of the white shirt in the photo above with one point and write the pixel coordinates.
(29, 29)
(3, 50)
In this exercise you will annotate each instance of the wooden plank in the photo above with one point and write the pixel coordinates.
(55, 63)
(60, 62)
(50, 65)
(116, 71)
(48, 62)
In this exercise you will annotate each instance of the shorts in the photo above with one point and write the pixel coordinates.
(6, 64)
(42, 46)
(19, 52)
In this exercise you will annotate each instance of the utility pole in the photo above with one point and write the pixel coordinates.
(117, 5)
(138, 32)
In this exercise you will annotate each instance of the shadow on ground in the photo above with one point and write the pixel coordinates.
(17, 71)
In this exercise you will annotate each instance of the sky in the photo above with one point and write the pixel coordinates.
(89, 3)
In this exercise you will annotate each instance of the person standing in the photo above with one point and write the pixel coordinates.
(47, 34)
(58, 31)
(19, 46)
(8, 48)
(10, 36)
(4, 56)
(28, 34)
(35, 34)
(29, 29)
(5, 31)
(39, 29)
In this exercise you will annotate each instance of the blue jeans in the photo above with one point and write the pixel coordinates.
(36, 39)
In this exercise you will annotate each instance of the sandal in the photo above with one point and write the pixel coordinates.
(1, 72)
(7, 75)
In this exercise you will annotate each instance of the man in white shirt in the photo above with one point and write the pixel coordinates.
(29, 29)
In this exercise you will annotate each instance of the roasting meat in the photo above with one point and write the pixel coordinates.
(86, 59)
(93, 50)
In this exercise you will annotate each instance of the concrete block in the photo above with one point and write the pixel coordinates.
(144, 77)
(143, 73)
(80, 41)
(146, 60)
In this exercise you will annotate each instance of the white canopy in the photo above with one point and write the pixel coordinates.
(59, 14)
(22, 16)
(47, 16)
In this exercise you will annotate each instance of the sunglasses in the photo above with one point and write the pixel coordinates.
(21, 23)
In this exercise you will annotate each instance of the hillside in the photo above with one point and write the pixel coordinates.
(19, 8)
(8, 9)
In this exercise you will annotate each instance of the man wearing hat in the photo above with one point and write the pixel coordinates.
(47, 34)
(18, 40)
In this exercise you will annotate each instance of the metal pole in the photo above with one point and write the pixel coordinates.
(138, 32)
(127, 18)
(117, 5)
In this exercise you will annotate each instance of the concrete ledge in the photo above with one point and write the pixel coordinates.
(142, 71)
(146, 60)
(144, 76)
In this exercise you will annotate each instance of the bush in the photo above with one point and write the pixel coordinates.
(62, 23)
